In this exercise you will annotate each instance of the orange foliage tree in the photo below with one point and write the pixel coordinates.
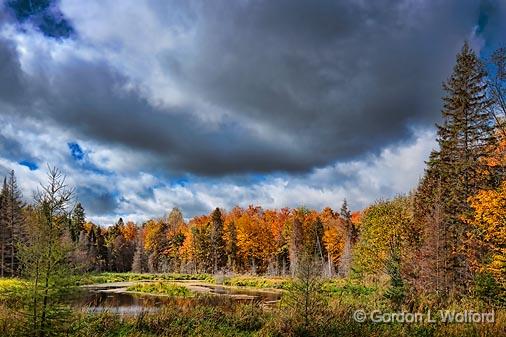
(489, 220)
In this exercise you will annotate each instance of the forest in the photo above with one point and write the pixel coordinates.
(441, 245)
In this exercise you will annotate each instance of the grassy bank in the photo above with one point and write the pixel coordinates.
(257, 282)
(127, 277)
(161, 288)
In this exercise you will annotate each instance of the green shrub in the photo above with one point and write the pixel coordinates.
(488, 289)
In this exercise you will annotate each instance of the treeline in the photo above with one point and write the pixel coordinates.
(249, 240)
(447, 238)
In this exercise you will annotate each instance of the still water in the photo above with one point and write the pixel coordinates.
(118, 301)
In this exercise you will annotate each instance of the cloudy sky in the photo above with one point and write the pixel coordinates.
(152, 104)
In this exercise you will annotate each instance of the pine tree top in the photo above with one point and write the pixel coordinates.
(467, 123)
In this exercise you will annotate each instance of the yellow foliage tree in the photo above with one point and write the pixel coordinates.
(384, 226)
(489, 220)
(333, 236)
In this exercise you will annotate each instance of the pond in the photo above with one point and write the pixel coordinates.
(114, 297)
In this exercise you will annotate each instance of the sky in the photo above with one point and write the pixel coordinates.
(147, 105)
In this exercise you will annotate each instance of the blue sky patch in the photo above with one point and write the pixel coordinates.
(30, 164)
(76, 151)
(180, 181)
(44, 15)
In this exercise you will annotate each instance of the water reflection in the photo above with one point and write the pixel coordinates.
(124, 303)
(119, 303)
(259, 295)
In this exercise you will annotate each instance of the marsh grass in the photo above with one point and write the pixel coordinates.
(161, 288)
(10, 285)
(202, 316)
(127, 277)
(257, 282)
(12, 290)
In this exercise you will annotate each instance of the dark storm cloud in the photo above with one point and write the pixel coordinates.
(10, 148)
(97, 199)
(177, 139)
(87, 98)
(342, 77)
(11, 76)
(333, 80)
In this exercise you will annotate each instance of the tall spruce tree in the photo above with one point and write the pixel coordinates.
(217, 241)
(456, 171)
(4, 239)
(202, 244)
(77, 222)
(14, 215)
(11, 222)
(345, 260)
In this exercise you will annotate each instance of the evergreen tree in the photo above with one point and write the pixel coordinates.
(345, 211)
(113, 232)
(457, 170)
(203, 247)
(4, 239)
(396, 291)
(15, 214)
(217, 241)
(77, 222)
(122, 254)
(349, 237)
(11, 222)
(45, 257)
(102, 253)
